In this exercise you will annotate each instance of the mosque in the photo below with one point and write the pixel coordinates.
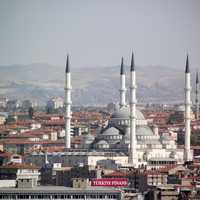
(150, 146)
(127, 139)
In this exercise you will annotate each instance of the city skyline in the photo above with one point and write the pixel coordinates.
(99, 99)
(98, 33)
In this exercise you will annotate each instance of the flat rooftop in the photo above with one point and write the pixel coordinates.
(80, 153)
(60, 189)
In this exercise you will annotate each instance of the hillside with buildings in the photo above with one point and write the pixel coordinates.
(42, 81)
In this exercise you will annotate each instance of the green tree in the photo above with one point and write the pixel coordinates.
(31, 112)
(194, 139)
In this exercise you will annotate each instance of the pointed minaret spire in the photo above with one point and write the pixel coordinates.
(197, 96)
(122, 89)
(197, 78)
(67, 69)
(187, 69)
(67, 105)
(132, 63)
(133, 157)
(122, 67)
(187, 151)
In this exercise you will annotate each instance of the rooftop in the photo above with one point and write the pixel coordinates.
(82, 153)
(18, 166)
(60, 189)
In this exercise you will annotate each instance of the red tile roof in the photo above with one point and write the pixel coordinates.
(6, 154)
(18, 166)
(117, 174)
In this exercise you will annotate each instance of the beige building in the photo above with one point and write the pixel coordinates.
(77, 158)
(25, 175)
(2, 119)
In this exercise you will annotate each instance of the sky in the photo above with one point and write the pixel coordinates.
(98, 32)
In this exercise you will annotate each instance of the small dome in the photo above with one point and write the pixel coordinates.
(124, 113)
(102, 144)
(88, 139)
(144, 130)
(111, 131)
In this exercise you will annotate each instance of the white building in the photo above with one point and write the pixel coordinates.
(55, 103)
(77, 158)
(3, 102)
(126, 136)
(152, 149)
(150, 145)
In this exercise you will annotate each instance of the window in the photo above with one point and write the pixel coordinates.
(101, 196)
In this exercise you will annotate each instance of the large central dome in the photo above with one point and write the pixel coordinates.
(124, 113)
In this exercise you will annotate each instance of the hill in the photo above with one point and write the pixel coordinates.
(91, 86)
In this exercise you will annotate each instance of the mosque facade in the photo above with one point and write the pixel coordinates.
(152, 148)
(127, 140)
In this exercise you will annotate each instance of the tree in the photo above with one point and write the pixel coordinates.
(194, 139)
(31, 112)
(49, 110)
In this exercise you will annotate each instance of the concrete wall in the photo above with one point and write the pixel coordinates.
(26, 183)
(7, 183)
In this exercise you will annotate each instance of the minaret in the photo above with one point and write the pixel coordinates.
(187, 112)
(122, 85)
(67, 105)
(197, 96)
(46, 158)
(133, 142)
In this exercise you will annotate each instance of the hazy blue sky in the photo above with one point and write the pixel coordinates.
(99, 32)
